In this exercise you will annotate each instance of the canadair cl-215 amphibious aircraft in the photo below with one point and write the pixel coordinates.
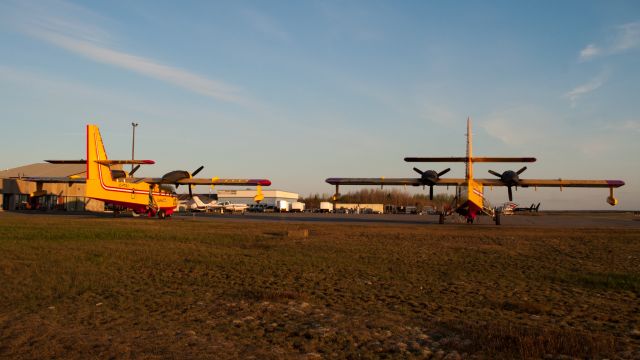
(152, 196)
(474, 203)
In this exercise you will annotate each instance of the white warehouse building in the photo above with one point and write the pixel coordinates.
(246, 196)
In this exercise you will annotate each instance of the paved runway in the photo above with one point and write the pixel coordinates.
(543, 219)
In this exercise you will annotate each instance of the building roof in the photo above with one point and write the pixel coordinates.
(45, 170)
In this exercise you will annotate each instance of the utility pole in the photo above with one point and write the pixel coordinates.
(133, 142)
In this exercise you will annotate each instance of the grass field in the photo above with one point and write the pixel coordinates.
(89, 287)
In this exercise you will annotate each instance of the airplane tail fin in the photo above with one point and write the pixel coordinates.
(198, 202)
(96, 172)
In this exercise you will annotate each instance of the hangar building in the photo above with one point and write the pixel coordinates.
(20, 194)
(246, 196)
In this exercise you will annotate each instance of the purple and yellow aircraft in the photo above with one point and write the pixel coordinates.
(474, 203)
(151, 196)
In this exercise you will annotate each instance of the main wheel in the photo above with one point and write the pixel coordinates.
(441, 219)
(162, 214)
(497, 218)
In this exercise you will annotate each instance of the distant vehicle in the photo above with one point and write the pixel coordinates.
(282, 206)
(326, 207)
(430, 210)
(297, 206)
(532, 208)
(507, 208)
(411, 210)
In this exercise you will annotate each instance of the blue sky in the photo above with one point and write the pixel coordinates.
(298, 91)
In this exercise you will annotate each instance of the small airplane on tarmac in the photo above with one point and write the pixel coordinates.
(474, 202)
(230, 207)
(152, 196)
(532, 208)
(198, 205)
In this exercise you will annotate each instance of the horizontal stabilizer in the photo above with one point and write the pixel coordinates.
(55, 180)
(473, 159)
(391, 181)
(81, 161)
(125, 162)
(502, 159)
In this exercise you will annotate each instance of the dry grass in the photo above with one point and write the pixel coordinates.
(87, 287)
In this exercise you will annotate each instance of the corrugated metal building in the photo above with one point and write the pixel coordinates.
(20, 194)
(246, 196)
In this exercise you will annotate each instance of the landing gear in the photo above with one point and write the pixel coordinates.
(469, 220)
(441, 219)
(497, 218)
(162, 214)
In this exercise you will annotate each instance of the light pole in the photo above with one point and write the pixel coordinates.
(133, 142)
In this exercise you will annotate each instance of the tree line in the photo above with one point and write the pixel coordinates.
(393, 197)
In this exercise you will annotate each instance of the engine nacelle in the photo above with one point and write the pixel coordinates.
(612, 201)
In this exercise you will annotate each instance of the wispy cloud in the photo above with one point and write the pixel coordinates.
(581, 90)
(626, 37)
(589, 52)
(81, 38)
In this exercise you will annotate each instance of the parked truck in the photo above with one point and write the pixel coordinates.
(326, 207)
(297, 206)
(282, 206)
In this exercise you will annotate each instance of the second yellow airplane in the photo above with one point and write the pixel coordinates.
(473, 188)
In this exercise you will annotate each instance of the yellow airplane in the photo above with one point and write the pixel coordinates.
(143, 195)
(474, 188)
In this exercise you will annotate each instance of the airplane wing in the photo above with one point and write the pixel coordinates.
(81, 161)
(205, 181)
(60, 179)
(556, 183)
(390, 181)
(473, 159)
(225, 182)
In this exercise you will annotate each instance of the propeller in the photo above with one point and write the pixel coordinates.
(509, 178)
(135, 168)
(430, 177)
(192, 175)
(181, 174)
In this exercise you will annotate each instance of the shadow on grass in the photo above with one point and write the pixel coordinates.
(604, 281)
(508, 340)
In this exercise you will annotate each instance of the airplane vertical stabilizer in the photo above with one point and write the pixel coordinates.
(97, 174)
